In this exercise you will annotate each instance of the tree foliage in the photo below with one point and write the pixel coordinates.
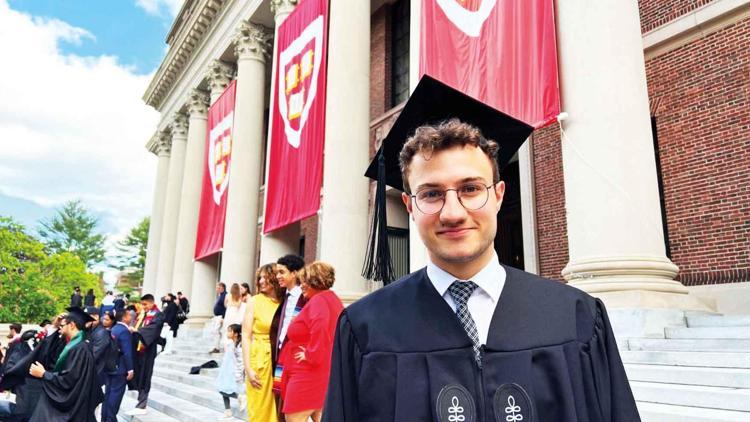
(34, 284)
(131, 252)
(73, 229)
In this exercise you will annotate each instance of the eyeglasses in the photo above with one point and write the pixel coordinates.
(472, 196)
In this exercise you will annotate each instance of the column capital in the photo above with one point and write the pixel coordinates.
(179, 125)
(219, 74)
(252, 41)
(197, 103)
(282, 7)
(163, 144)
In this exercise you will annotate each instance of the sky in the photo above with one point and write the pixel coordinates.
(72, 121)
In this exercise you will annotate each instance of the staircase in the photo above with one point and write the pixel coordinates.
(177, 396)
(697, 373)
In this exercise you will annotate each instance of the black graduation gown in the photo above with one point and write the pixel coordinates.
(73, 393)
(143, 364)
(401, 354)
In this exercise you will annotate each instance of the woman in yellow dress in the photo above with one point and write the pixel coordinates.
(256, 347)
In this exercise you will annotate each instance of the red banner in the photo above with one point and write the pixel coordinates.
(501, 52)
(295, 172)
(216, 174)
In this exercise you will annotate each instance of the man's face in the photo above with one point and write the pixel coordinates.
(146, 305)
(126, 318)
(285, 277)
(455, 236)
(219, 289)
(67, 329)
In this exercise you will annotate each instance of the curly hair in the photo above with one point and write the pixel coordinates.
(319, 275)
(269, 270)
(448, 134)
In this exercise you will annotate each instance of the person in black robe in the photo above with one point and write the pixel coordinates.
(70, 389)
(146, 334)
(98, 338)
(436, 345)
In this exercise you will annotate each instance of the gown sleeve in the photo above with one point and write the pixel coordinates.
(341, 399)
(611, 383)
(151, 332)
(65, 389)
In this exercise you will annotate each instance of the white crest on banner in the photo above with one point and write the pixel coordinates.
(470, 22)
(314, 31)
(220, 155)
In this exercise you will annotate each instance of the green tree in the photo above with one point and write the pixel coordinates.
(73, 229)
(131, 252)
(33, 284)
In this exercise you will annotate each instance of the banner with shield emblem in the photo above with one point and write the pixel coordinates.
(501, 52)
(217, 170)
(295, 170)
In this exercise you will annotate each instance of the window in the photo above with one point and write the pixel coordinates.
(398, 243)
(399, 24)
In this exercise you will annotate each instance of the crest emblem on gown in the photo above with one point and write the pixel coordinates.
(455, 404)
(298, 80)
(512, 403)
(220, 156)
(468, 15)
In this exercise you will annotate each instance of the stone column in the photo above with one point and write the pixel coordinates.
(205, 271)
(285, 240)
(241, 224)
(160, 145)
(343, 225)
(190, 198)
(613, 213)
(171, 206)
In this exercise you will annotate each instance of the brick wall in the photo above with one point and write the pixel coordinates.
(703, 126)
(549, 190)
(380, 68)
(655, 13)
(309, 229)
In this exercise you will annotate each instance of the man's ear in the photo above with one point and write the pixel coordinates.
(499, 194)
(407, 202)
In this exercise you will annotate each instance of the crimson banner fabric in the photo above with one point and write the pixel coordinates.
(216, 174)
(295, 172)
(501, 52)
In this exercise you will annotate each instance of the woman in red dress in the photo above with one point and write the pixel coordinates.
(306, 358)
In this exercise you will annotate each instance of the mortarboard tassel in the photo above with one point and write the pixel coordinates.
(378, 266)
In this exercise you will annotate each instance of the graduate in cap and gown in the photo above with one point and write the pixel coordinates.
(71, 392)
(146, 335)
(467, 338)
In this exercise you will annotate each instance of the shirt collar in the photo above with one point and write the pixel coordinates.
(296, 291)
(491, 278)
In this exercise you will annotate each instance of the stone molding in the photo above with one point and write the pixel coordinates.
(163, 144)
(253, 41)
(179, 126)
(620, 273)
(197, 103)
(281, 7)
(218, 75)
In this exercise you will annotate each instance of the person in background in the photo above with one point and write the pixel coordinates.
(119, 302)
(217, 323)
(90, 298)
(146, 332)
(184, 302)
(117, 380)
(170, 310)
(230, 381)
(245, 292)
(235, 306)
(307, 355)
(256, 345)
(133, 312)
(98, 337)
(75, 299)
(108, 303)
(14, 340)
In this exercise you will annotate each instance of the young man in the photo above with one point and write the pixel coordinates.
(70, 389)
(146, 334)
(184, 302)
(117, 380)
(467, 338)
(98, 337)
(76, 301)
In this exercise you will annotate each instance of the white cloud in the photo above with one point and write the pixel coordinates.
(157, 7)
(72, 127)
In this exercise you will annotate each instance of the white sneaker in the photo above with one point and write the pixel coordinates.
(136, 412)
(242, 400)
(228, 416)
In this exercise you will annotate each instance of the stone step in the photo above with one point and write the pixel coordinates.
(718, 320)
(695, 359)
(178, 408)
(183, 367)
(694, 345)
(708, 333)
(718, 377)
(694, 396)
(153, 415)
(208, 398)
(199, 380)
(657, 412)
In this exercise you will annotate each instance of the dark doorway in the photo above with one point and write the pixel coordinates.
(509, 238)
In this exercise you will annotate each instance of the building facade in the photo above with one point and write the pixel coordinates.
(639, 196)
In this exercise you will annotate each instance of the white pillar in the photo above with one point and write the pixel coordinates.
(205, 271)
(528, 207)
(160, 145)
(613, 213)
(343, 224)
(171, 206)
(241, 224)
(192, 183)
(285, 240)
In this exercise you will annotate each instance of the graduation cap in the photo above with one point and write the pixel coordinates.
(431, 103)
(78, 315)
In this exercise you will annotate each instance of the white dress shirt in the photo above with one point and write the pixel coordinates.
(490, 281)
(291, 303)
